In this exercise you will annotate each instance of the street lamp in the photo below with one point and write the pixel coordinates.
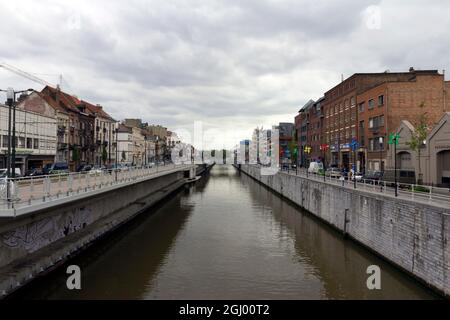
(117, 146)
(380, 140)
(11, 102)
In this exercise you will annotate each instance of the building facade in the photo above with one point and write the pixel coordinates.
(36, 139)
(39, 103)
(431, 161)
(363, 108)
(104, 134)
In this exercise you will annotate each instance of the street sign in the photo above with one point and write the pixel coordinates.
(393, 138)
(354, 145)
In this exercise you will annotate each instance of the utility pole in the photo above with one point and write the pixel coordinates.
(9, 101)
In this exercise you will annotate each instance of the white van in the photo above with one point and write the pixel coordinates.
(315, 167)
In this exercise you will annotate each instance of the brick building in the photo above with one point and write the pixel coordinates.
(81, 147)
(366, 105)
(301, 126)
(382, 108)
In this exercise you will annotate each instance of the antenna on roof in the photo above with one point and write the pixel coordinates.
(342, 77)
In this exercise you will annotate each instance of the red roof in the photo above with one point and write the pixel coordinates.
(71, 103)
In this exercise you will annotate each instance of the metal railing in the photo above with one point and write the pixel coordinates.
(21, 192)
(422, 193)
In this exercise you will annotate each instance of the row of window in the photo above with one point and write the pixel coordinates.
(345, 119)
(376, 122)
(371, 104)
(376, 144)
(29, 143)
(345, 135)
(340, 107)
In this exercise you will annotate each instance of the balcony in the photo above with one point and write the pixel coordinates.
(61, 130)
(62, 146)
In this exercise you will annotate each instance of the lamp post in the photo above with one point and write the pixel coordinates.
(11, 102)
(145, 150)
(117, 146)
(380, 140)
(393, 140)
(354, 145)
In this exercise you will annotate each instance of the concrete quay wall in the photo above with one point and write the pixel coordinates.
(35, 243)
(411, 235)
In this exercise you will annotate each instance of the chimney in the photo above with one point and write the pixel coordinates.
(411, 69)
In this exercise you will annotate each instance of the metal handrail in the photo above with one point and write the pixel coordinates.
(26, 191)
(414, 192)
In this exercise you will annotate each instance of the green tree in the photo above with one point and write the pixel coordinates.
(104, 155)
(419, 135)
(75, 155)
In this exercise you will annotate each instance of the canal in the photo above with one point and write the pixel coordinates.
(227, 237)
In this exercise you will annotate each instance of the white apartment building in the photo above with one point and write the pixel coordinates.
(36, 139)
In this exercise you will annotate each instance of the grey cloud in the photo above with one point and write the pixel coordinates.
(221, 62)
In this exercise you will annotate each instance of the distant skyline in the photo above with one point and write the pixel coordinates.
(232, 65)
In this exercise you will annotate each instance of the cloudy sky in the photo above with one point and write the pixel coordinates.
(231, 65)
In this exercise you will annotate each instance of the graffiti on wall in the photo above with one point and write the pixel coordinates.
(38, 234)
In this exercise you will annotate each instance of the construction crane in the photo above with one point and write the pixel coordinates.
(27, 75)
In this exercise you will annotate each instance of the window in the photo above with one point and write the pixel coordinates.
(361, 107)
(36, 143)
(21, 143)
(376, 122)
(5, 142)
(352, 101)
(380, 100)
(371, 104)
(29, 143)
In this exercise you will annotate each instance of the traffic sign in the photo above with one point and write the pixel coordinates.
(354, 145)
(393, 138)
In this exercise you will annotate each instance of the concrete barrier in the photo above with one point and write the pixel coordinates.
(411, 235)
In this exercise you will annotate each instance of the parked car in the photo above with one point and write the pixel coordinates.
(34, 172)
(333, 172)
(358, 176)
(56, 168)
(406, 176)
(96, 170)
(84, 168)
(315, 167)
(373, 176)
(4, 172)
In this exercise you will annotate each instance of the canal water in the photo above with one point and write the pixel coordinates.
(227, 237)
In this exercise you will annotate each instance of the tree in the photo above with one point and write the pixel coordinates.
(419, 135)
(75, 155)
(104, 155)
